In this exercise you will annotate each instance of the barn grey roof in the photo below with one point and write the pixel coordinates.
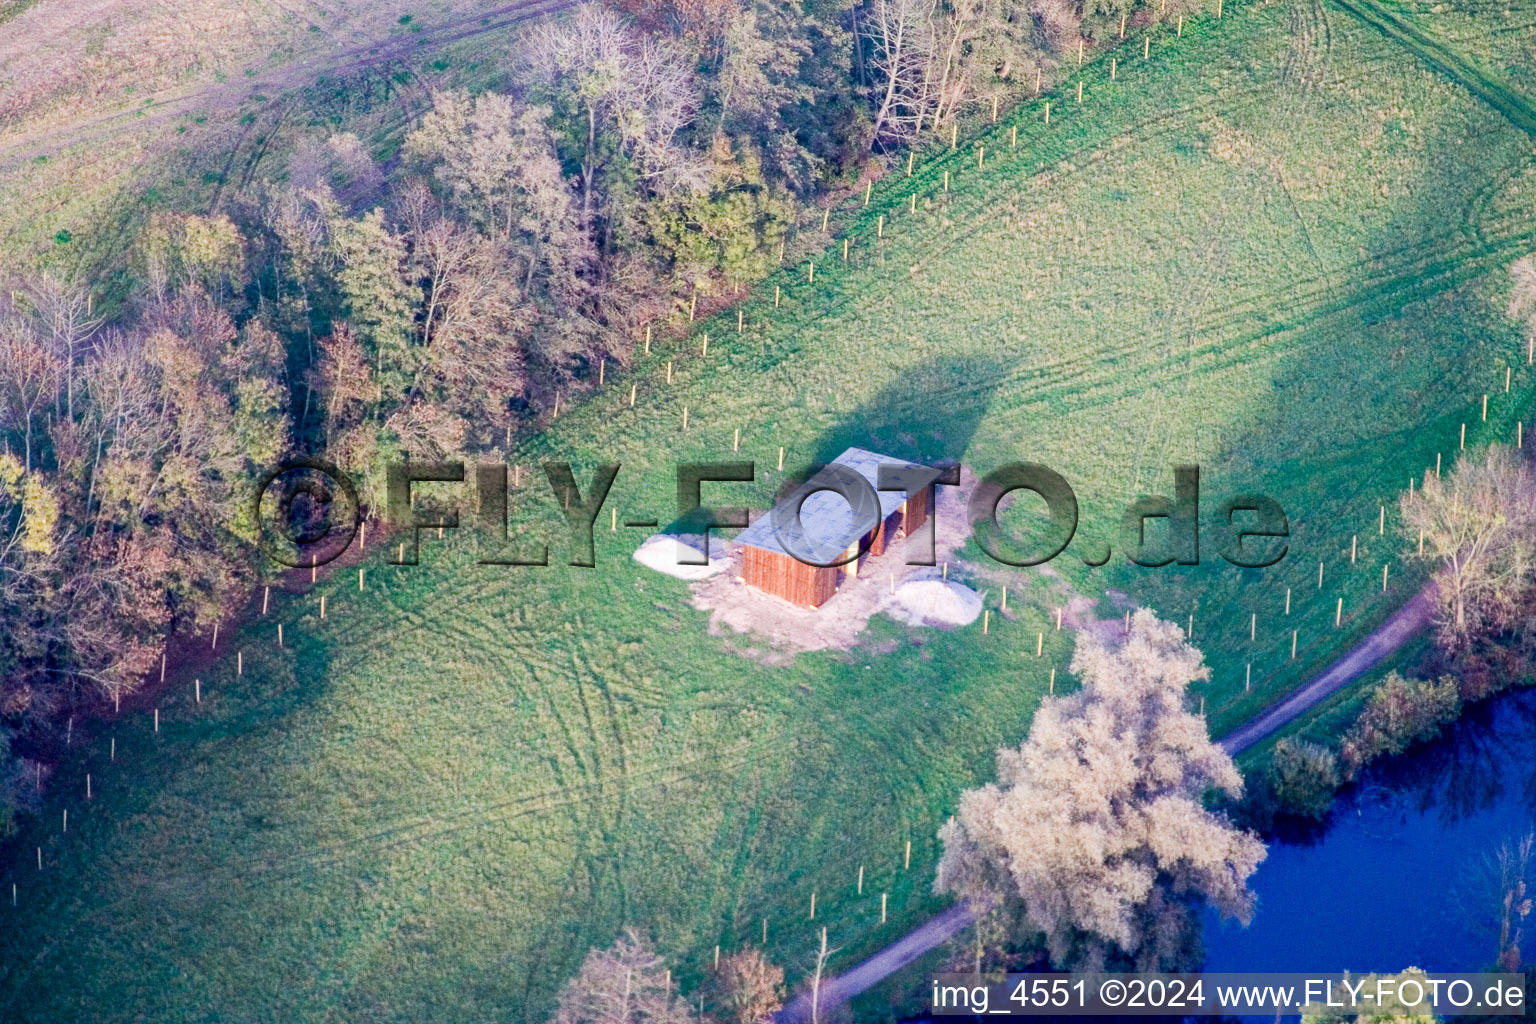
(828, 524)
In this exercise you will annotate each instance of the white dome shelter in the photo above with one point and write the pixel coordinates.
(665, 552)
(931, 601)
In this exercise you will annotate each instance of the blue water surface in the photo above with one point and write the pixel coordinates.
(1402, 875)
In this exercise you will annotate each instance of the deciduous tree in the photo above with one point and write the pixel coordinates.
(1098, 823)
(1479, 526)
(1399, 713)
(626, 983)
(748, 989)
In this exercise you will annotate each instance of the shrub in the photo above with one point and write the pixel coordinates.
(1304, 778)
(1399, 713)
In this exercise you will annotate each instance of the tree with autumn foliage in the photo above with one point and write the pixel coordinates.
(747, 988)
(130, 457)
(627, 983)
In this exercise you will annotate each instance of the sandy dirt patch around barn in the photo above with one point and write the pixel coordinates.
(771, 630)
(779, 630)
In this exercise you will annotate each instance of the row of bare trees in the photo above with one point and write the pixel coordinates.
(924, 58)
(630, 983)
(920, 61)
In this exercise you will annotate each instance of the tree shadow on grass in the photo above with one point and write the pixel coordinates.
(928, 414)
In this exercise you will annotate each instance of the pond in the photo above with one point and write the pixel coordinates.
(1405, 874)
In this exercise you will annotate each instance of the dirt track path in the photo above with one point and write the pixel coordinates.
(1361, 658)
(931, 934)
(300, 74)
(934, 932)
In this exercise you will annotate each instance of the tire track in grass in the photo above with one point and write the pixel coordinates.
(1494, 188)
(954, 239)
(1389, 279)
(621, 810)
(596, 831)
(1426, 247)
(1516, 108)
(302, 73)
(1068, 378)
(254, 873)
(362, 664)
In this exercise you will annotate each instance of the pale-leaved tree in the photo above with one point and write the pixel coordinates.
(1099, 824)
(1479, 526)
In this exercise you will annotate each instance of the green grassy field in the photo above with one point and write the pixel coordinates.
(1275, 248)
(77, 206)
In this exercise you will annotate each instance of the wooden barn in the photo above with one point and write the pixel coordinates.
(831, 530)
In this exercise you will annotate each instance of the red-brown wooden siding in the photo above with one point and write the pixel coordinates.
(806, 585)
(915, 512)
(810, 586)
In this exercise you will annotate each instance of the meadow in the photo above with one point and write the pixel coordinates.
(1275, 247)
(184, 110)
